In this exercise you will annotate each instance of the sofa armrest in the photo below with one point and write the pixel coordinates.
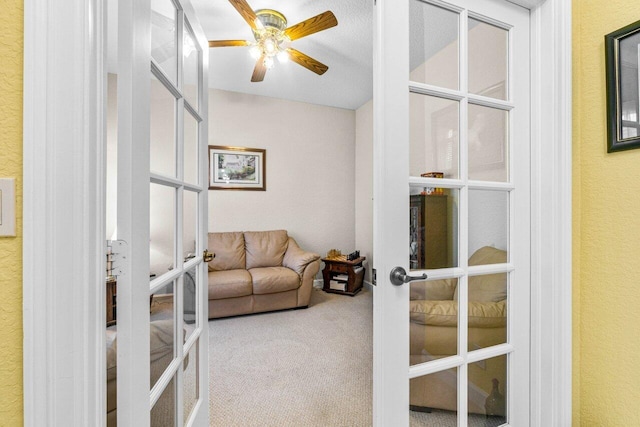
(296, 258)
(445, 313)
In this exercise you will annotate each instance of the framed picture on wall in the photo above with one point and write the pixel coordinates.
(237, 168)
(622, 57)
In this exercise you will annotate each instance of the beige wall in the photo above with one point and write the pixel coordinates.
(364, 184)
(310, 169)
(606, 230)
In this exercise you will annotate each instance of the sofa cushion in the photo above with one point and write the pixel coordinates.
(435, 290)
(229, 284)
(229, 251)
(269, 280)
(265, 248)
(487, 287)
(445, 313)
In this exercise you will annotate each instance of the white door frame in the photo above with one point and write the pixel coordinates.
(63, 215)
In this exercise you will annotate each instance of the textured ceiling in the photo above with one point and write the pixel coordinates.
(345, 49)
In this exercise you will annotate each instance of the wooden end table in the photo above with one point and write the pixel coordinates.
(354, 270)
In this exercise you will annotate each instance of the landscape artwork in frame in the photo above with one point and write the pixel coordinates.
(237, 168)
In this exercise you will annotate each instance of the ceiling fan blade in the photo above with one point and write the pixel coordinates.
(259, 71)
(312, 25)
(307, 62)
(226, 43)
(245, 10)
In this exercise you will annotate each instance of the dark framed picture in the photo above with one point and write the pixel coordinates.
(237, 168)
(622, 55)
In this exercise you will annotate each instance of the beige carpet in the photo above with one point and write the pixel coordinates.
(301, 368)
(308, 367)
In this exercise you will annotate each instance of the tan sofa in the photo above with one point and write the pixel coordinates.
(257, 271)
(434, 329)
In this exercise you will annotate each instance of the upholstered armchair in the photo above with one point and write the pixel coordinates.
(434, 329)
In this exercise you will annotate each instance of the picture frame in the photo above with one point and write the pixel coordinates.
(237, 168)
(622, 59)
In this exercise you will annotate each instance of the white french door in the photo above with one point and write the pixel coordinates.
(452, 201)
(162, 325)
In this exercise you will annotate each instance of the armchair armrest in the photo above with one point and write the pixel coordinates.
(445, 313)
(296, 258)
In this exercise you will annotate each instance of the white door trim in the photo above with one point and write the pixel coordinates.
(63, 215)
(551, 219)
(63, 169)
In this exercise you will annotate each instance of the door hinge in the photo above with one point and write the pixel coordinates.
(116, 258)
(373, 276)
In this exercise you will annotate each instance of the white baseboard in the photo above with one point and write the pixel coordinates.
(368, 286)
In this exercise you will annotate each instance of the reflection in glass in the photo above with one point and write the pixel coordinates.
(488, 306)
(433, 53)
(189, 301)
(433, 228)
(433, 320)
(190, 225)
(162, 315)
(488, 392)
(162, 131)
(433, 135)
(488, 226)
(163, 37)
(190, 148)
(191, 56)
(190, 380)
(488, 144)
(488, 59)
(433, 399)
(162, 203)
(629, 50)
(163, 413)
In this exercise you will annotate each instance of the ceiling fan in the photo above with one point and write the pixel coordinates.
(273, 38)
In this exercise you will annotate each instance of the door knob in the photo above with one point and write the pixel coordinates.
(208, 256)
(399, 276)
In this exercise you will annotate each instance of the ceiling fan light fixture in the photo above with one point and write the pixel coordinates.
(268, 62)
(255, 51)
(283, 56)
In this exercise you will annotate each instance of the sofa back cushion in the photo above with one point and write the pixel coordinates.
(229, 251)
(488, 287)
(265, 248)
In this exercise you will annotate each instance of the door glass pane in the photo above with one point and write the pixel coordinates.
(433, 399)
(433, 53)
(191, 56)
(488, 59)
(433, 228)
(488, 392)
(487, 310)
(488, 227)
(190, 226)
(163, 413)
(189, 300)
(162, 315)
(162, 225)
(190, 148)
(164, 37)
(433, 320)
(190, 380)
(163, 130)
(433, 133)
(488, 149)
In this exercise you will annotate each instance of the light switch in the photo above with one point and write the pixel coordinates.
(7, 206)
